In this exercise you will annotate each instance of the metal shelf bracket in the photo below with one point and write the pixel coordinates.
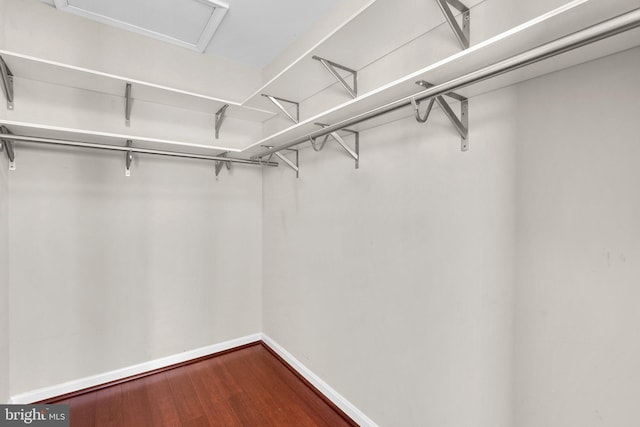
(354, 153)
(220, 115)
(7, 83)
(460, 124)
(7, 146)
(332, 66)
(278, 103)
(220, 163)
(128, 159)
(594, 33)
(291, 164)
(128, 105)
(461, 33)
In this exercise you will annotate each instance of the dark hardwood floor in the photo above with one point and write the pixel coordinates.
(246, 387)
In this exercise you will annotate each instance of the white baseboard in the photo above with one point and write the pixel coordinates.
(94, 380)
(347, 407)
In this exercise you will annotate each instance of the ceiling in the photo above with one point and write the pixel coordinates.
(252, 32)
(256, 31)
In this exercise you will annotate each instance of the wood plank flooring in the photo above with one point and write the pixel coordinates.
(246, 387)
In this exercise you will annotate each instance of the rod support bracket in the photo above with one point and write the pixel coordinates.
(461, 124)
(222, 163)
(278, 103)
(220, 115)
(416, 107)
(462, 33)
(464, 117)
(333, 67)
(128, 105)
(352, 152)
(294, 165)
(128, 159)
(7, 83)
(7, 147)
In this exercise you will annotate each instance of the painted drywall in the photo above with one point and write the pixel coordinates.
(369, 275)
(361, 281)
(110, 271)
(393, 282)
(4, 279)
(578, 264)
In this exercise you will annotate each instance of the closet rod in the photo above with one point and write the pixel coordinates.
(39, 140)
(594, 33)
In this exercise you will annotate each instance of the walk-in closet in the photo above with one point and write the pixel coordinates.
(417, 212)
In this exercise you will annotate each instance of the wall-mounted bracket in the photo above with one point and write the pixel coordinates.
(332, 66)
(461, 33)
(7, 145)
(7, 83)
(354, 153)
(278, 103)
(128, 159)
(293, 165)
(128, 105)
(460, 124)
(220, 163)
(220, 114)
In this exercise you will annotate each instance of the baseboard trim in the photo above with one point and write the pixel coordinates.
(73, 388)
(83, 385)
(332, 395)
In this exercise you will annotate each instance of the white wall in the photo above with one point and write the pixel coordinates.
(578, 323)
(4, 280)
(486, 288)
(393, 282)
(109, 271)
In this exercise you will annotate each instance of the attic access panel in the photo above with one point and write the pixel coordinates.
(186, 23)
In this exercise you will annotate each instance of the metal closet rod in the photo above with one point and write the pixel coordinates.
(602, 30)
(38, 140)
